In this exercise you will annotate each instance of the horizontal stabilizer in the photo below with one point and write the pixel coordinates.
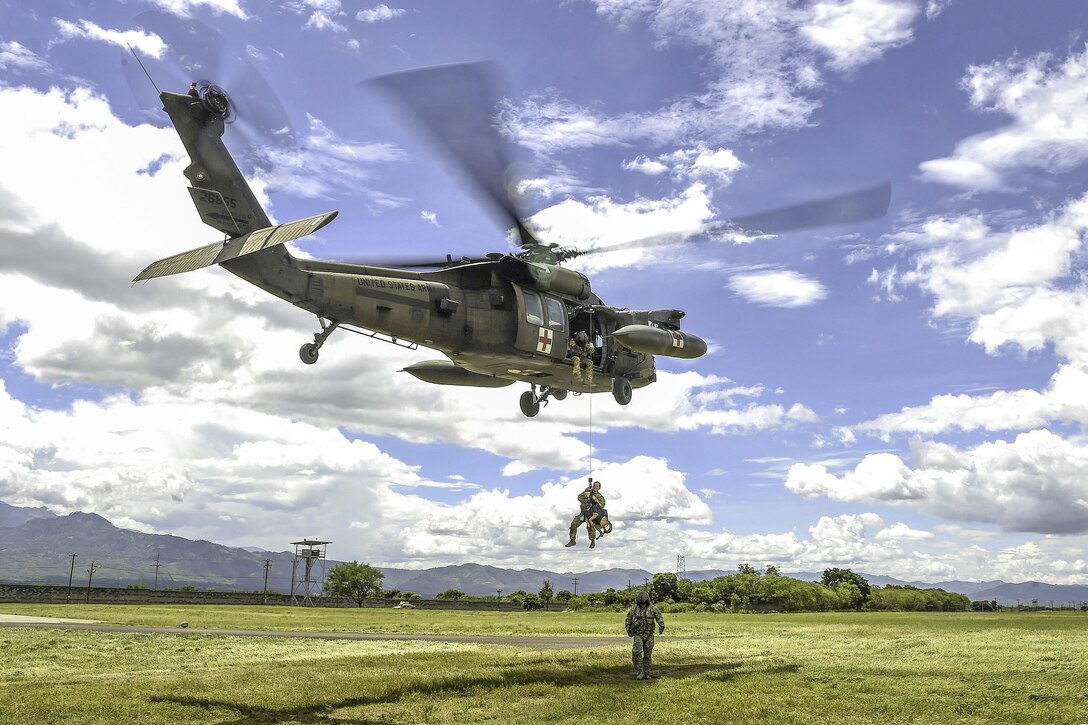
(237, 247)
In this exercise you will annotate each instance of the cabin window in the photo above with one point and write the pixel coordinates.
(557, 316)
(534, 313)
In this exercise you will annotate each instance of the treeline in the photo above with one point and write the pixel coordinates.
(752, 590)
(748, 590)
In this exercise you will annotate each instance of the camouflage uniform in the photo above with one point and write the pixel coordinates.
(585, 499)
(640, 626)
(597, 499)
(580, 350)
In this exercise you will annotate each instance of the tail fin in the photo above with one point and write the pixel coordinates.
(237, 247)
(220, 192)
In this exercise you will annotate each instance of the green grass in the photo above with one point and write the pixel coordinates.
(808, 668)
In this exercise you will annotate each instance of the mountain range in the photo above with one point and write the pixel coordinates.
(37, 545)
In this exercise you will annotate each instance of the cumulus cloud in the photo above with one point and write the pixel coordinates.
(321, 14)
(16, 57)
(600, 222)
(1010, 287)
(865, 542)
(858, 32)
(147, 43)
(184, 8)
(716, 166)
(778, 288)
(1035, 483)
(1048, 129)
(1064, 400)
(765, 67)
(378, 14)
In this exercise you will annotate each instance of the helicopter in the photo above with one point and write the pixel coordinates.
(498, 319)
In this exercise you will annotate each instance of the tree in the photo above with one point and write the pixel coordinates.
(747, 569)
(564, 596)
(771, 570)
(546, 593)
(832, 577)
(450, 594)
(354, 580)
(663, 586)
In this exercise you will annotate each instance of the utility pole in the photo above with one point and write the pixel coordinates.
(498, 595)
(267, 566)
(575, 580)
(71, 572)
(90, 574)
(156, 565)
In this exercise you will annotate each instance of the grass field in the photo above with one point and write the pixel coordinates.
(806, 668)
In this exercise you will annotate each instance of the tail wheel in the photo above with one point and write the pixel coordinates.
(530, 406)
(308, 353)
(559, 394)
(621, 390)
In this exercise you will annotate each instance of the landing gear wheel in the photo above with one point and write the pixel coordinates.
(621, 390)
(530, 406)
(559, 394)
(308, 353)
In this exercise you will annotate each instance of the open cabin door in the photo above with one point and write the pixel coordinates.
(542, 324)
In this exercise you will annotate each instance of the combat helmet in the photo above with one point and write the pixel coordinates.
(643, 598)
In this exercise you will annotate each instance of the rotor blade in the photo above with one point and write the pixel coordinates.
(412, 262)
(197, 52)
(455, 105)
(852, 207)
(849, 208)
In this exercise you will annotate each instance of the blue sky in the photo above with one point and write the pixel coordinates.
(905, 396)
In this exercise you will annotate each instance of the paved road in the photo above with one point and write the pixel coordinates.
(537, 642)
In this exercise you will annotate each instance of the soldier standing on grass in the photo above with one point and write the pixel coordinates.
(640, 626)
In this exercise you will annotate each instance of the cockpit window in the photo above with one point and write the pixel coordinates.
(557, 316)
(534, 313)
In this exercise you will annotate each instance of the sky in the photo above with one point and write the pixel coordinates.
(905, 396)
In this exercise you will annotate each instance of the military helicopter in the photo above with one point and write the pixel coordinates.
(499, 319)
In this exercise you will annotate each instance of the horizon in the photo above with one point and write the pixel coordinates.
(760, 569)
(907, 394)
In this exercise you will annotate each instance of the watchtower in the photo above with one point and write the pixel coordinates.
(309, 552)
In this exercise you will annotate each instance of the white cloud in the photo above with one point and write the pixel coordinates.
(1048, 129)
(17, 57)
(1064, 400)
(324, 163)
(717, 166)
(323, 14)
(858, 32)
(1013, 287)
(601, 222)
(378, 14)
(763, 71)
(1036, 483)
(778, 288)
(429, 216)
(147, 43)
(184, 8)
(936, 7)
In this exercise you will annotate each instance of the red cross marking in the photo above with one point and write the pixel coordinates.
(677, 339)
(545, 338)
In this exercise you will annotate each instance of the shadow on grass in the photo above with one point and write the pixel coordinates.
(618, 678)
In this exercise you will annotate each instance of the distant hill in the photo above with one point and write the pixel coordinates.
(36, 544)
(19, 515)
(38, 551)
